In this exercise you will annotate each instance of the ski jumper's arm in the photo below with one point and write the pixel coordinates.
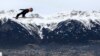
(21, 9)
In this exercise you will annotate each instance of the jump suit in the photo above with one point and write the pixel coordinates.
(23, 13)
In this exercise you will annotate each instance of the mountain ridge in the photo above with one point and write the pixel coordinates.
(64, 27)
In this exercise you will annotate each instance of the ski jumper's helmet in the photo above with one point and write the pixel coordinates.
(30, 9)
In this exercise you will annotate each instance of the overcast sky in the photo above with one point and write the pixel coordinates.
(50, 6)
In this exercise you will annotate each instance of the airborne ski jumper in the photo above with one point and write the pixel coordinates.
(24, 12)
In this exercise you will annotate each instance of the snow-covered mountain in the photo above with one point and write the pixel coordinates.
(61, 27)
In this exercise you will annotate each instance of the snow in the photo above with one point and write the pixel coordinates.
(51, 21)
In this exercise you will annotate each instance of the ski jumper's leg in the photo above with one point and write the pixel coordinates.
(23, 15)
(18, 15)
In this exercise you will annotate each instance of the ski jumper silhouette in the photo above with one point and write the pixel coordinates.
(24, 12)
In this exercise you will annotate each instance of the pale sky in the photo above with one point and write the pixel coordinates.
(50, 6)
